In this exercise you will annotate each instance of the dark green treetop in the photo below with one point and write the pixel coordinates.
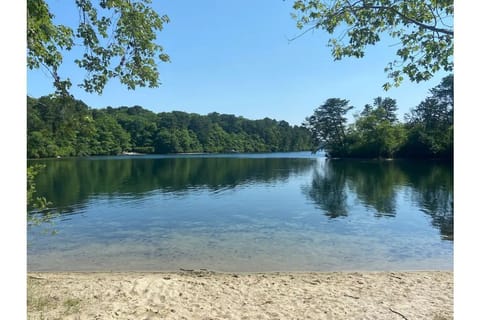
(376, 132)
(328, 125)
(436, 111)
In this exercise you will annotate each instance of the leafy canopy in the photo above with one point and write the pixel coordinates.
(423, 27)
(63, 126)
(118, 37)
(431, 122)
(328, 125)
(377, 133)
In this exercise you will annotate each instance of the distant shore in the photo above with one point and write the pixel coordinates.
(208, 295)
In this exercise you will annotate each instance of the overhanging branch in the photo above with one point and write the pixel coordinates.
(410, 19)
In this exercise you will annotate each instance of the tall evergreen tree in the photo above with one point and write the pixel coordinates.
(328, 126)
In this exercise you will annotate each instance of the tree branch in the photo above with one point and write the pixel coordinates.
(412, 20)
(304, 32)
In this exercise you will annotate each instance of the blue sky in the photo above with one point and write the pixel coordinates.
(234, 57)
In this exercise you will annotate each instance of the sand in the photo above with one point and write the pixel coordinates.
(209, 295)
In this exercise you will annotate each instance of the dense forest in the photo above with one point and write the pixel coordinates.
(63, 126)
(427, 131)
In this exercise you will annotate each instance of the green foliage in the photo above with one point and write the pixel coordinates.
(37, 207)
(376, 132)
(45, 41)
(34, 202)
(424, 29)
(110, 138)
(118, 37)
(386, 108)
(430, 124)
(62, 126)
(328, 126)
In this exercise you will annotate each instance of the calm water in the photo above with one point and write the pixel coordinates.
(261, 212)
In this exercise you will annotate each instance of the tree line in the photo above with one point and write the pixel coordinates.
(377, 133)
(63, 126)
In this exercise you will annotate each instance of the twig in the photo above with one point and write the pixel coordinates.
(304, 32)
(401, 315)
(347, 295)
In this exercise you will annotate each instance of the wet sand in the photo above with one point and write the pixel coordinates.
(208, 295)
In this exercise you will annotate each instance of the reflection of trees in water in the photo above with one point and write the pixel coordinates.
(439, 205)
(373, 183)
(328, 191)
(376, 183)
(69, 182)
(433, 191)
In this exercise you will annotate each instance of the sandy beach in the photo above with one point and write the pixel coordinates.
(209, 295)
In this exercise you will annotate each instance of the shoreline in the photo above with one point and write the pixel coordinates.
(203, 294)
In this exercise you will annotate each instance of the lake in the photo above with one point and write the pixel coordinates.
(243, 212)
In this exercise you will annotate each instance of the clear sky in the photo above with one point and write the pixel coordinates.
(234, 57)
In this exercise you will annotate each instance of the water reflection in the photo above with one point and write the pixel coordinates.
(433, 191)
(376, 185)
(245, 214)
(69, 183)
(328, 190)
